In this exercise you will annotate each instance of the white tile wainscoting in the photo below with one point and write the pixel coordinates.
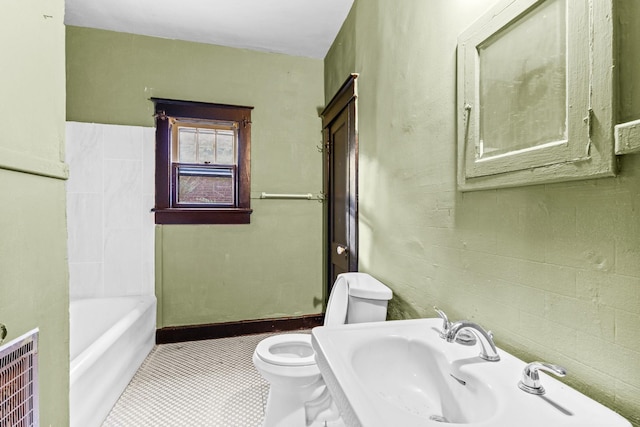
(110, 193)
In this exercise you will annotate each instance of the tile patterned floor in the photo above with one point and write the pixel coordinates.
(208, 383)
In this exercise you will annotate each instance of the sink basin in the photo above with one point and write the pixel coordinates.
(402, 373)
(415, 377)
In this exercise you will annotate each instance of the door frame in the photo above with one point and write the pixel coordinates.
(345, 98)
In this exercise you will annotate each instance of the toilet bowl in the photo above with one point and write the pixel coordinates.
(298, 396)
(287, 363)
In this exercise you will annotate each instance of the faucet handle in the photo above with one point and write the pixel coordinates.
(463, 337)
(530, 381)
(446, 325)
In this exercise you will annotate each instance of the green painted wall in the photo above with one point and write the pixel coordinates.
(342, 58)
(33, 246)
(208, 274)
(553, 270)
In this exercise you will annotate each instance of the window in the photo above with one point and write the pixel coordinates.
(202, 163)
(535, 94)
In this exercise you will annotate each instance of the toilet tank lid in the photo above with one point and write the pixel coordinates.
(362, 285)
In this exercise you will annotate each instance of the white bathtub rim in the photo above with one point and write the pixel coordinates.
(79, 365)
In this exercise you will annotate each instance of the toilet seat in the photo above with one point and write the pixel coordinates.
(287, 350)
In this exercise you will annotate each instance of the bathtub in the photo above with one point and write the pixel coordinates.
(109, 340)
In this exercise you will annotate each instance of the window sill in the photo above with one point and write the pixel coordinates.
(202, 216)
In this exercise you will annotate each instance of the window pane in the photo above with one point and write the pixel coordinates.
(226, 147)
(206, 144)
(523, 88)
(201, 185)
(186, 145)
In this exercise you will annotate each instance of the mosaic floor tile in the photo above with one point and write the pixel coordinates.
(210, 383)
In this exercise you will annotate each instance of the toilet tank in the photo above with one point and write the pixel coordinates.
(368, 299)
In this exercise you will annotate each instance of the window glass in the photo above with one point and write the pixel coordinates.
(211, 145)
(187, 145)
(225, 147)
(206, 143)
(523, 97)
(202, 185)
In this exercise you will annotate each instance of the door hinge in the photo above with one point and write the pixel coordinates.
(327, 146)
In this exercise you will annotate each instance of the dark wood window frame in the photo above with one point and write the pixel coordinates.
(166, 210)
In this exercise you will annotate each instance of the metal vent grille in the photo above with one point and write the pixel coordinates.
(18, 381)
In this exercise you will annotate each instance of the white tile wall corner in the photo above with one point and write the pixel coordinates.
(110, 193)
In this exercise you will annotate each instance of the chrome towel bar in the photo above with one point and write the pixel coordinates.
(306, 196)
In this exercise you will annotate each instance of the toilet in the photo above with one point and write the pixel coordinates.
(298, 396)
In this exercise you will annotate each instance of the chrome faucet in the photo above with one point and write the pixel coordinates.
(464, 337)
(530, 381)
(488, 352)
(446, 325)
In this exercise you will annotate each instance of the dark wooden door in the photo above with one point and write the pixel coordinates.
(341, 183)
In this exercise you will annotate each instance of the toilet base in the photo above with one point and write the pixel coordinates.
(322, 411)
(310, 406)
(298, 396)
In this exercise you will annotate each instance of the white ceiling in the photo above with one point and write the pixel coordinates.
(292, 27)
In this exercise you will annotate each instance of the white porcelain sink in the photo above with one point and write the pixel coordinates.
(414, 376)
(401, 373)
